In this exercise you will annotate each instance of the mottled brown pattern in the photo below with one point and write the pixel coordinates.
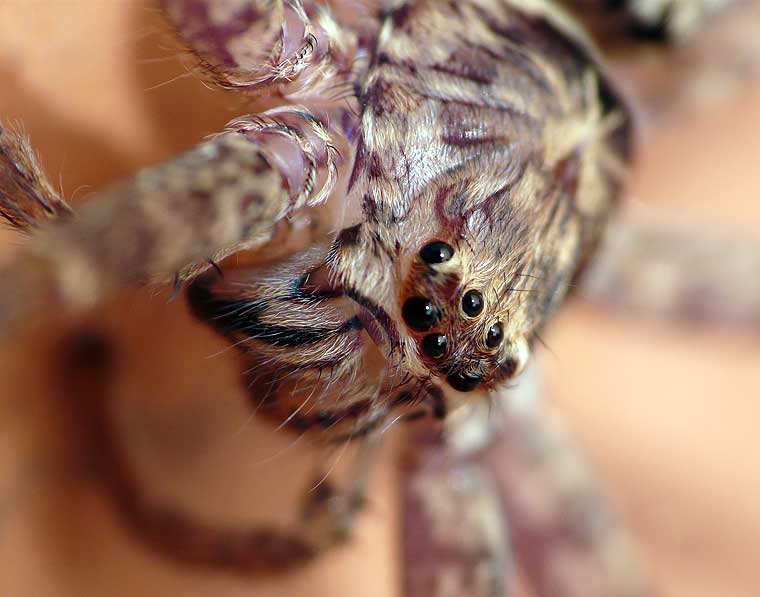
(504, 120)
(172, 219)
(631, 273)
(488, 125)
(467, 113)
(456, 540)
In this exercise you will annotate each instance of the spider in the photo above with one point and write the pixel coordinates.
(210, 296)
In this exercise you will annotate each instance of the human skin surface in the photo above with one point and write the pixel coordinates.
(666, 414)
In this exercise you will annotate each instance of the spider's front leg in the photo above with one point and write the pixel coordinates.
(174, 219)
(250, 45)
(170, 221)
(223, 196)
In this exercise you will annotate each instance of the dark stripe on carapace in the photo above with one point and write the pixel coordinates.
(459, 139)
(469, 65)
(516, 58)
(503, 108)
(348, 237)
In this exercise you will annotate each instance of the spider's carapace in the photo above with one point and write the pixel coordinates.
(488, 151)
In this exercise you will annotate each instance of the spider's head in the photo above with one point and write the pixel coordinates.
(465, 332)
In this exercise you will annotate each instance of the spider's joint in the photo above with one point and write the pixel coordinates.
(308, 159)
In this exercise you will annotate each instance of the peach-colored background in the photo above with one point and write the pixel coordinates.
(668, 416)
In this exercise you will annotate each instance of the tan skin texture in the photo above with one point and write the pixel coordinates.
(667, 415)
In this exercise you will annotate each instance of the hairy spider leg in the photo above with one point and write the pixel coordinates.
(679, 272)
(26, 196)
(296, 47)
(506, 490)
(86, 371)
(169, 222)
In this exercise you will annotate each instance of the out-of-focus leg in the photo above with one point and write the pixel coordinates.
(649, 20)
(455, 538)
(173, 220)
(566, 540)
(86, 374)
(683, 272)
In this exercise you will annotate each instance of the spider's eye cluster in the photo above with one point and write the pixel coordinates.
(418, 312)
(422, 314)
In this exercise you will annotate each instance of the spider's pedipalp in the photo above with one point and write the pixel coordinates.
(455, 522)
(568, 541)
(523, 493)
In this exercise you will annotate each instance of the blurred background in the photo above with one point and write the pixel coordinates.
(667, 414)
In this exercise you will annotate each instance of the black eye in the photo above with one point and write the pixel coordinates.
(436, 252)
(472, 303)
(464, 382)
(419, 314)
(434, 345)
(495, 335)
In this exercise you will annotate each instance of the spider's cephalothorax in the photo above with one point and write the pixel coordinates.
(487, 157)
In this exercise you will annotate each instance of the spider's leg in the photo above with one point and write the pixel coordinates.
(247, 45)
(86, 379)
(566, 540)
(507, 484)
(173, 220)
(328, 514)
(650, 20)
(455, 536)
(682, 272)
(26, 196)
